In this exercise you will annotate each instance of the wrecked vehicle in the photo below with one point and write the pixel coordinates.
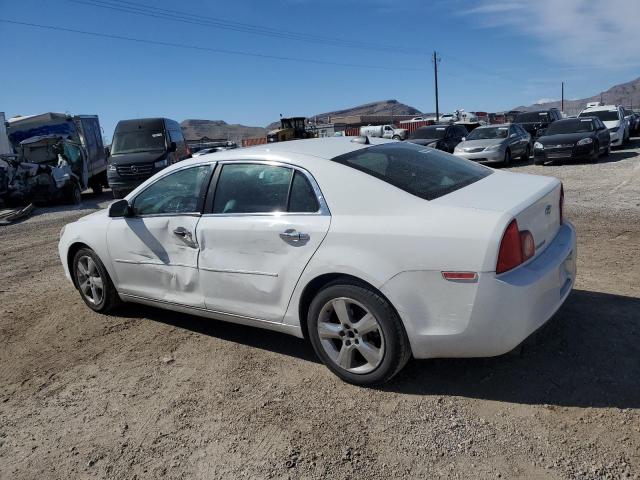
(46, 168)
(81, 130)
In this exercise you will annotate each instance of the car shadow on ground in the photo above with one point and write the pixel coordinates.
(586, 356)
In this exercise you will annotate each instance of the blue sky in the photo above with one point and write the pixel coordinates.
(495, 55)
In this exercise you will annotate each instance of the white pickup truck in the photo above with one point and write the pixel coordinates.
(384, 131)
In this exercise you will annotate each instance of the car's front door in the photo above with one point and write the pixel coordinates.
(263, 225)
(154, 250)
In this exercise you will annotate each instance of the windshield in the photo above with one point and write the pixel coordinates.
(604, 115)
(488, 133)
(570, 126)
(530, 117)
(138, 141)
(424, 172)
(428, 132)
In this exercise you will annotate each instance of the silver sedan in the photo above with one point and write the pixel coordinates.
(495, 144)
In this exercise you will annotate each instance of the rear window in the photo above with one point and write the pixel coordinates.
(532, 117)
(421, 171)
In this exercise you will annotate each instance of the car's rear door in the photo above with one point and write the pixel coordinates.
(262, 224)
(155, 251)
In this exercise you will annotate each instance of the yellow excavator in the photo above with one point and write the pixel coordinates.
(292, 128)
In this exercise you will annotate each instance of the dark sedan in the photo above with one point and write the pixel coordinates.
(584, 138)
(442, 137)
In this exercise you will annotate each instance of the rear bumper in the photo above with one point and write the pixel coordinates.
(491, 316)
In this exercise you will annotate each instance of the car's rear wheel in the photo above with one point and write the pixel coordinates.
(396, 137)
(74, 194)
(357, 334)
(93, 281)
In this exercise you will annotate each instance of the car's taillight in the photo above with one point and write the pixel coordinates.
(516, 247)
(561, 204)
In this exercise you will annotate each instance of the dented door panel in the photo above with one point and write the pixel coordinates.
(152, 261)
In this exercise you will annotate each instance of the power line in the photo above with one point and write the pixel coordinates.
(152, 11)
(201, 48)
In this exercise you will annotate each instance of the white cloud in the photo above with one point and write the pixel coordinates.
(577, 32)
(545, 100)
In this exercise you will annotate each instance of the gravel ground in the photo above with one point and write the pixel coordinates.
(147, 393)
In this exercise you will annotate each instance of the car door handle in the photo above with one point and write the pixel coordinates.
(182, 232)
(186, 236)
(292, 235)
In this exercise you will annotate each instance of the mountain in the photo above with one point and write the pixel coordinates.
(384, 107)
(194, 130)
(626, 94)
(219, 130)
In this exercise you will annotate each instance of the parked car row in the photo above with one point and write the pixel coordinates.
(545, 133)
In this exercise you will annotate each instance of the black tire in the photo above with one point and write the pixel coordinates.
(118, 194)
(396, 351)
(607, 152)
(596, 153)
(527, 153)
(507, 158)
(97, 188)
(396, 137)
(74, 194)
(109, 298)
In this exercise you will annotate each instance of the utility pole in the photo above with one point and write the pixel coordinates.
(435, 61)
(562, 101)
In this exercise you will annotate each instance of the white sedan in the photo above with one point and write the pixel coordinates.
(374, 250)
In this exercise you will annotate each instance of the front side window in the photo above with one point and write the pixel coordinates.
(177, 193)
(424, 172)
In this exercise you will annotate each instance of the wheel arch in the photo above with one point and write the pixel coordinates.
(71, 253)
(315, 285)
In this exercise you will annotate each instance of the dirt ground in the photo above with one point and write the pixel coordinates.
(147, 393)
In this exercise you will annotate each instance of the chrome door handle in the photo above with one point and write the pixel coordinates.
(290, 234)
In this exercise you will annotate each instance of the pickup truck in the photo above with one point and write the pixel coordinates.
(384, 131)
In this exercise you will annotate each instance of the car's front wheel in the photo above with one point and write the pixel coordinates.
(93, 281)
(357, 334)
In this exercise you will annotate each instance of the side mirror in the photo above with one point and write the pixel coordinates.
(121, 208)
(172, 147)
(107, 152)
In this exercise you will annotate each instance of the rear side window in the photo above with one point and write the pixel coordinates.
(302, 199)
(424, 172)
(259, 188)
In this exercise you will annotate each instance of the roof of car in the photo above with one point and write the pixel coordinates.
(327, 148)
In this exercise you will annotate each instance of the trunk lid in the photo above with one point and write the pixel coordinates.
(533, 200)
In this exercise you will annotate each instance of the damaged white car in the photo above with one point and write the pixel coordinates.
(374, 250)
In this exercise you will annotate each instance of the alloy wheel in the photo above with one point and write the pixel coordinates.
(351, 335)
(90, 281)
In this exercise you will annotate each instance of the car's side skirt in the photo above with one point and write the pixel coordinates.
(294, 330)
